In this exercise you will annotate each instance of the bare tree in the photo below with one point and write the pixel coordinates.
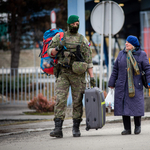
(16, 27)
(17, 9)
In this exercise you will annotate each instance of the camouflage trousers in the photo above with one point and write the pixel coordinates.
(77, 82)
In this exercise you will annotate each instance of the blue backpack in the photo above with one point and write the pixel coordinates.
(47, 62)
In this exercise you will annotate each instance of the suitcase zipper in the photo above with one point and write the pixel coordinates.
(101, 107)
(101, 103)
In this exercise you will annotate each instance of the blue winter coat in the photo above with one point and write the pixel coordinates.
(123, 104)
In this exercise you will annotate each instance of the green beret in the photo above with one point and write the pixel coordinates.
(72, 19)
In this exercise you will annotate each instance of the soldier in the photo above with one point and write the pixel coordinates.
(73, 62)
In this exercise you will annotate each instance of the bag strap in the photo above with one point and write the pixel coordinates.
(61, 35)
(64, 46)
(64, 39)
(81, 39)
(140, 68)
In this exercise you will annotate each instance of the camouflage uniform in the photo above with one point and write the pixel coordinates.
(68, 78)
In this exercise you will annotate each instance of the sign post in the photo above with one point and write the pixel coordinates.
(53, 19)
(96, 38)
(107, 19)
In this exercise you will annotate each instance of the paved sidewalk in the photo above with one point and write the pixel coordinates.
(37, 122)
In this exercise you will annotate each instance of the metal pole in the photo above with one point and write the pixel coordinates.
(2, 85)
(29, 85)
(54, 85)
(6, 85)
(47, 88)
(18, 85)
(102, 43)
(142, 28)
(147, 34)
(25, 86)
(21, 85)
(34, 58)
(14, 83)
(37, 88)
(109, 72)
(51, 94)
(10, 84)
(33, 83)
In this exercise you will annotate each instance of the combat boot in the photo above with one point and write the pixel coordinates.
(75, 130)
(57, 132)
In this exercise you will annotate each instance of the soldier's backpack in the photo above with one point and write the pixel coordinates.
(45, 58)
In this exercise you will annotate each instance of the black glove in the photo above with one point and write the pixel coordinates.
(92, 82)
(58, 48)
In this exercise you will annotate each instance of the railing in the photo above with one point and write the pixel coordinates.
(23, 84)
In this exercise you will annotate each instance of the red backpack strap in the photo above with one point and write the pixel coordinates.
(61, 35)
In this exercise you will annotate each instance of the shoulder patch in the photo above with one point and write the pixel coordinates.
(89, 44)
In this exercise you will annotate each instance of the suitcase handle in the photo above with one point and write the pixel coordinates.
(93, 99)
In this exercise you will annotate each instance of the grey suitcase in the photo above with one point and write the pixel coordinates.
(95, 109)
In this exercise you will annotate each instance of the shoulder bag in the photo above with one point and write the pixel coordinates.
(143, 78)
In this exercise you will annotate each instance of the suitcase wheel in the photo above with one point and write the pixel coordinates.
(96, 128)
(87, 129)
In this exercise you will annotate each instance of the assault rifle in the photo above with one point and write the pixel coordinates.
(78, 54)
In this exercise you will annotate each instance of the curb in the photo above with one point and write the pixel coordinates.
(69, 126)
(23, 119)
(33, 130)
(45, 129)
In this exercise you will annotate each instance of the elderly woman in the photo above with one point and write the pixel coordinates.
(127, 81)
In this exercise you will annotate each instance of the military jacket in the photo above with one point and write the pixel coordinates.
(71, 41)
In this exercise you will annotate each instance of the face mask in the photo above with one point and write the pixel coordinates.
(73, 29)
